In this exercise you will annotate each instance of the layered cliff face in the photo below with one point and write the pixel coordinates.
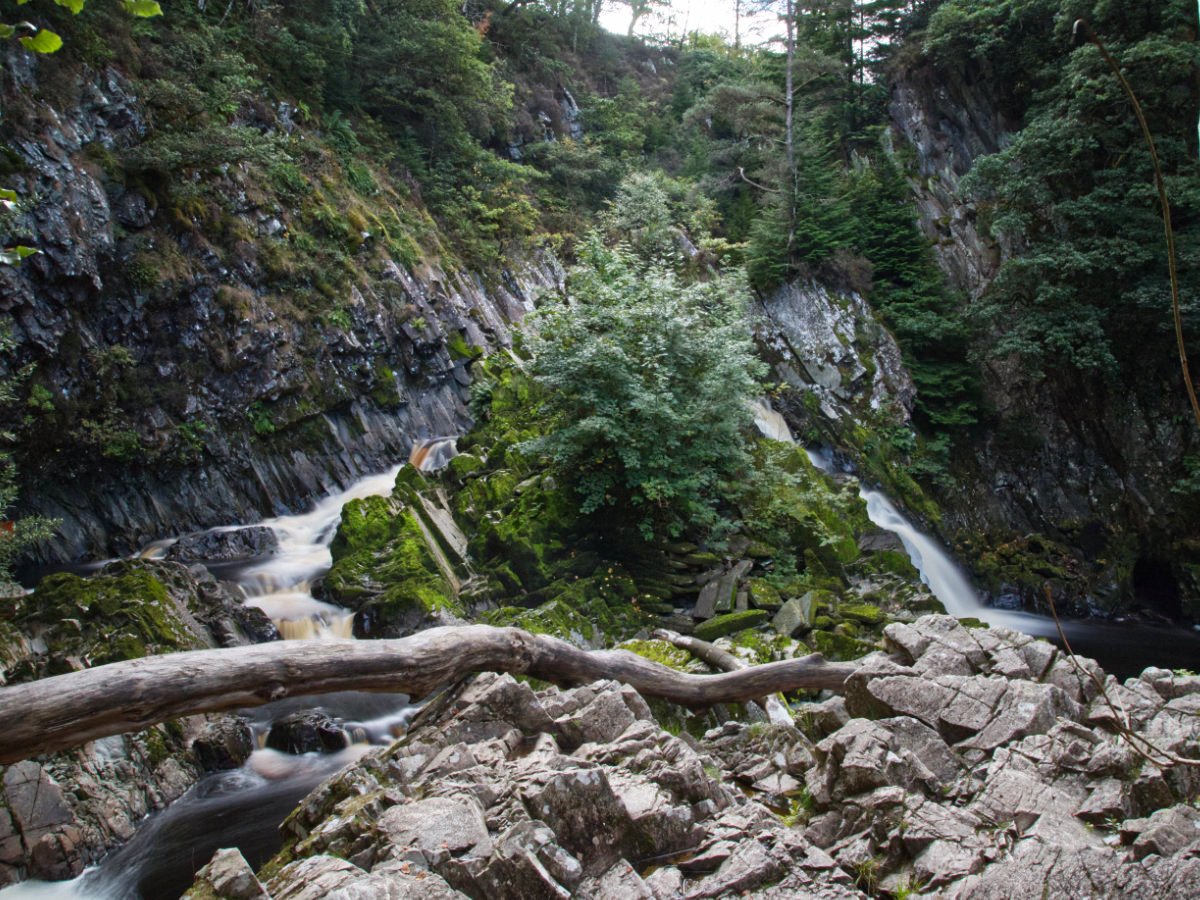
(1073, 480)
(182, 376)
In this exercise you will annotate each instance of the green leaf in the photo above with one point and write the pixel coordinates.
(6, 30)
(8, 199)
(143, 9)
(42, 42)
(11, 256)
(75, 6)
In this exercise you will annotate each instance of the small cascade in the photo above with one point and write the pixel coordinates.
(936, 567)
(941, 573)
(281, 585)
(433, 454)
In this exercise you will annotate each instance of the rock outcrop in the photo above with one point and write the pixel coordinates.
(61, 813)
(967, 764)
(181, 387)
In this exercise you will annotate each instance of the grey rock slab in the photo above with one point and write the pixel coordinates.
(706, 603)
(35, 800)
(795, 615)
(1164, 833)
(437, 825)
(620, 882)
(228, 876)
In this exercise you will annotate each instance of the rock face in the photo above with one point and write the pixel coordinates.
(1088, 467)
(965, 764)
(831, 345)
(219, 546)
(227, 402)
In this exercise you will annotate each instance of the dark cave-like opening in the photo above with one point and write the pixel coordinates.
(1155, 587)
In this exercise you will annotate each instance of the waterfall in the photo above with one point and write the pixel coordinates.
(281, 585)
(941, 573)
(936, 567)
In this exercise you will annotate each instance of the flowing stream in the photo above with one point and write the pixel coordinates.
(1123, 650)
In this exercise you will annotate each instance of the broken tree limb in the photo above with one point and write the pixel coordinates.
(776, 710)
(67, 710)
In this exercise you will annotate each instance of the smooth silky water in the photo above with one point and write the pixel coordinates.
(1123, 650)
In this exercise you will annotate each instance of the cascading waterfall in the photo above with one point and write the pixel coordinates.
(1121, 649)
(938, 570)
(281, 585)
(935, 566)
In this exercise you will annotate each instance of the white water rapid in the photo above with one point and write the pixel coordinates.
(281, 584)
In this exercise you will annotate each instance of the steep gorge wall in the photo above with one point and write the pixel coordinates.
(1085, 463)
(171, 389)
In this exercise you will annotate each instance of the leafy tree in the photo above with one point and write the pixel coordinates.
(1085, 287)
(646, 379)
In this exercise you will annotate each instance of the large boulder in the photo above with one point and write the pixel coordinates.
(224, 545)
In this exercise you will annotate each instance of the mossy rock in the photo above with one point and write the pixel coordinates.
(763, 595)
(822, 622)
(838, 646)
(554, 618)
(720, 626)
(463, 466)
(125, 612)
(757, 549)
(866, 613)
(764, 647)
(665, 654)
(383, 567)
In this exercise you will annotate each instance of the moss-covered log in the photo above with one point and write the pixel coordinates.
(66, 710)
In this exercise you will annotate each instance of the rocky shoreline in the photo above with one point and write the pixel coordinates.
(960, 763)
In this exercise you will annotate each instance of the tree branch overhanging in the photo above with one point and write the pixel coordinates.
(68, 710)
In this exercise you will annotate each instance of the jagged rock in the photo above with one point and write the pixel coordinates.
(795, 616)
(309, 731)
(224, 545)
(229, 877)
(1164, 833)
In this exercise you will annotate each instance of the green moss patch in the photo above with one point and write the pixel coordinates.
(720, 626)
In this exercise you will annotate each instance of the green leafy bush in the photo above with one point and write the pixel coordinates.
(646, 379)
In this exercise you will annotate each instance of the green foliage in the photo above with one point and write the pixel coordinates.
(1086, 288)
(910, 293)
(19, 535)
(646, 380)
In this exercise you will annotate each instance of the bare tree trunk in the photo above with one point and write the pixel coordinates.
(67, 710)
(790, 13)
(776, 710)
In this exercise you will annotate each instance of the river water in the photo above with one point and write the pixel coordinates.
(243, 807)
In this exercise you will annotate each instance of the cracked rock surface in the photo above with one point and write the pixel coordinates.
(1004, 778)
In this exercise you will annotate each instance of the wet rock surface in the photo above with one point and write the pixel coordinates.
(307, 732)
(1014, 783)
(217, 546)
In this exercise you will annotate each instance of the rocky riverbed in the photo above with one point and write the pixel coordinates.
(960, 763)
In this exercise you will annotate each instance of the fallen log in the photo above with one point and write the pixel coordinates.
(774, 709)
(67, 710)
